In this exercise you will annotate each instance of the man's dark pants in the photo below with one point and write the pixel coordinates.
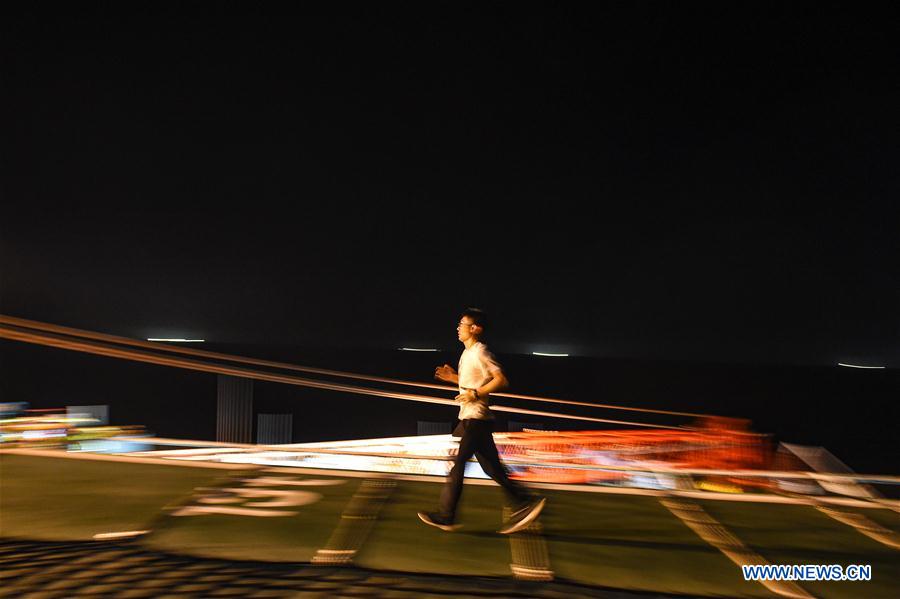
(477, 440)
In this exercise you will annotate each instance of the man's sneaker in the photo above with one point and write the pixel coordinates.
(436, 520)
(523, 516)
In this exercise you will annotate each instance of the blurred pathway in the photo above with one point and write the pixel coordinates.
(40, 569)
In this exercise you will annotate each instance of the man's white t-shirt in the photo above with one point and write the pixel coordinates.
(477, 366)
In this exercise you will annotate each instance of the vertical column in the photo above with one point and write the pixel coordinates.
(274, 429)
(425, 427)
(100, 413)
(234, 418)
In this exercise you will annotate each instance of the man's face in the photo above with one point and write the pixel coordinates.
(465, 329)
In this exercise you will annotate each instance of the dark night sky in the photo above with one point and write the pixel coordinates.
(647, 179)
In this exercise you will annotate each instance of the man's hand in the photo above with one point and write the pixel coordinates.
(468, 395)
(445, 373)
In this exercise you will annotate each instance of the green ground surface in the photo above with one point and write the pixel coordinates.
(791, 534)
(67, 499)
(293, 538)
(619, 541)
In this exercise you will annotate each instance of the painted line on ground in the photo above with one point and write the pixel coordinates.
(529, 554)
(714, 532)
(864, 526)
(356, 523)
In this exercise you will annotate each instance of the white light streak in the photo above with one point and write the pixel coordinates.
(417, 349)
(858, 366)
(178, 340)
(537, 353)
(120, 535)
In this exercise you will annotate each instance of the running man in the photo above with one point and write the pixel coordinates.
(479, 375)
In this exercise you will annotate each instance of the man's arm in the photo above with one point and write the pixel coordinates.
(446, 373)
(498, 382)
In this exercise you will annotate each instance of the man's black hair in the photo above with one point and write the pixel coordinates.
(477, 316)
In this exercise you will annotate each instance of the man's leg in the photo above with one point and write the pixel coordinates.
(452, 490)
(526, 507)
(487, 455)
